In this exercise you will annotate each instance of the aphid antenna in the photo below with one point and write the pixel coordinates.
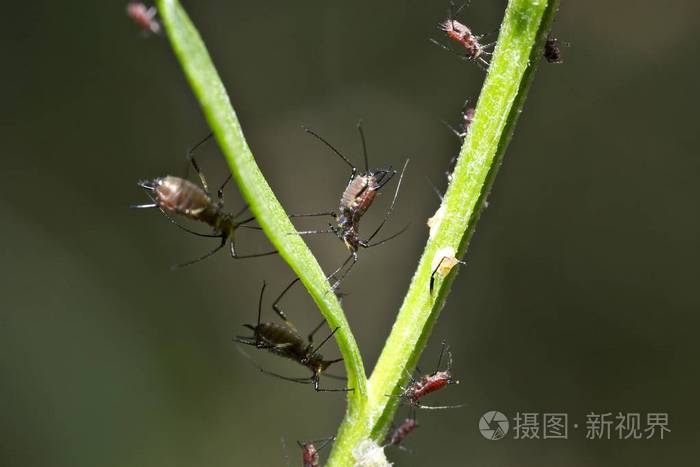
(324, 141)
(391, 206)
(364, 144)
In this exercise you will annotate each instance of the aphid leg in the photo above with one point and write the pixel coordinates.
(391, 207)
(318, 388)
(320, 138)
(144, 206)
(311, 338)
(243, 209)
(190, 157)
(442, 353)
(314, 214)
(220, 191)
(277, 308)
(438, 407)
(311, 334)
(443, 46)
(353, 257)
(313, 232)
(189, 263)
(235, 255)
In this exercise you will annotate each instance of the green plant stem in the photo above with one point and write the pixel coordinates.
(518, 51)
(217, 109)
(517, 54)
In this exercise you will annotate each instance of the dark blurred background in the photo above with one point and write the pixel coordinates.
(580, 293)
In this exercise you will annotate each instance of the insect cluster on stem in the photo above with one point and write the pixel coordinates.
(181, 199)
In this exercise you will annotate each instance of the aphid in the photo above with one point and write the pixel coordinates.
(461, 133)
(396, 437)
(309, 451)
(358, 196)
(419, 388)
(460, 33)
(551, 50)
(285, 341)
(178, 196)
(144, 17)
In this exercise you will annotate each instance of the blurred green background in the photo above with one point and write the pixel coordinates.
(580, 292)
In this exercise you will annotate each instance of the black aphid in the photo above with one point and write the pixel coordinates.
(283, 339)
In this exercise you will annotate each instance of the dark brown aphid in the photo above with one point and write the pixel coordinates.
(551, 50)
(421, 387)
(309, 452)
(358, 196)
(285, 341)
(178, 196)
(397, 436)
(469, 42)
(144, 17)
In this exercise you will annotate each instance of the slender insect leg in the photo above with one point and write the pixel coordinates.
(353, 257)
(220, 191)
(144, 206)
(318, 388)
(235, 255)
(275, 304)
(442, 353)
(315, 330)
(190, 157)
(189, 263)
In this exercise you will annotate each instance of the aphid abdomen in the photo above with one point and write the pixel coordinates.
(282, 340)
(429, 384)
(179, 196)
(400, 433)
(359, 195)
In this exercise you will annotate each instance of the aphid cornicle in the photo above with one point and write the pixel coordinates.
(461, 34)
(358, 196)
(178, 196)
(285, 341)
(396, 437)
(421, 387)
(144, 17)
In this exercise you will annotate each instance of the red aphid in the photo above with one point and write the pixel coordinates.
(461, 34)
(309, 456)
(458, 32)
(309, 452)
(427, 384)
(399, 434)
(144, 16)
